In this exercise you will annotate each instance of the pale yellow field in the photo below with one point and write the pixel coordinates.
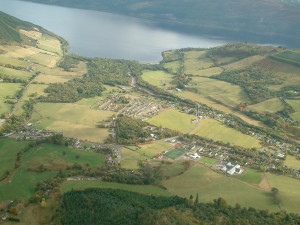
(13, 73)
(293, 162)
(269, 106)
(74, 120)
(213, 129)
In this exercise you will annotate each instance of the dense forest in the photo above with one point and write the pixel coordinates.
(117, 207)
(259, 17)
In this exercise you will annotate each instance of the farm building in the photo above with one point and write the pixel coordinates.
(232, 168)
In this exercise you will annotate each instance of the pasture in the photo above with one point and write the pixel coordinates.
(174, 119)
(215, 130)
(8, 153)
(83, 184)
(7, 91)
(195, 61)
(228, 94)
(211, 185)
(153, 149)
(292, 162)
(251, 176)
(208, 160)
(269, 106)
(204, 100)
(243, 62)
(131, 158)
(289, 191)
(13, 73)
(209, 72)
(173, 67)
(158, 78)
(296, 106)
(74, 120)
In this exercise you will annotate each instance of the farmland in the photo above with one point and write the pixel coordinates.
(173, 67)
(153, 149)
(269, 106)
(145, 189)
(158, 78)
(194, 61)
(173, 119)
(213, 129)
(211, 185)
(289, 190)
(74, 120)
(7, 92)
(292, 161)
(296, 106)
(53, 158)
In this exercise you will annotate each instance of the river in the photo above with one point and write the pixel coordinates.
(101, 34)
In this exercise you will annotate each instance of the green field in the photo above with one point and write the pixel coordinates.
(209, 72)
(74, 120)
(205, 100)
(131, 158)
(243, 63)
(13, 73)
(211, 185)
(208, 160)
(8, 153)
(153, 149)
(269, 106)
(251, 176)
(213, 129)
(292, 161)
(173, 119)
(296, 106)
(289, 57)
(194, 61)
(173, 67)
(224, 92)
(175, 153)
(145, 189)
(289, 190)
(23, 181)
(7, 90)
(158, 78)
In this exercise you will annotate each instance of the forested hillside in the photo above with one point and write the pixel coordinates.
(260, 17)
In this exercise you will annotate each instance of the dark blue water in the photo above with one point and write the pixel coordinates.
(100, 34)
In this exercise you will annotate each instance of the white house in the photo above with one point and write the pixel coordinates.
(231, 168)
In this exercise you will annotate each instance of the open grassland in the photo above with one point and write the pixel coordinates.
(290, 57)
(44, 59)
(173, 67)
(158, 78)
(251, 176)
(13, 73)
(289, 190)
(55, 75)
(74, 120)
(292, 161)
(296, 106)
(55, 157)
(204, 100)
(195, 61)
(221, 91)
(7, 90)
(174, 119)
(22, 184)
(209, 72)
(223, 59)
(243, 63)
(130, 158)
(153, 149)
(50, 44)
(172, 168)
(13, 61)
(52, 157)
(8, 153)
(269, 106)
(80, 185)
(211, 185)
(208, 160)
(215, 130)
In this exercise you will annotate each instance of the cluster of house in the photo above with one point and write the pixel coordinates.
(231, 168)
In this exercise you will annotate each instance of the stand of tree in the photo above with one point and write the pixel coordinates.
(117, 207)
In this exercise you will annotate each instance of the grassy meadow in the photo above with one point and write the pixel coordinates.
(296, 106)
(74, 120)
(7, 92)
(269, 106)
(174, 119)
(213, 129)
(292, 161)
(211, 185)
(159, 79)
(173, 67)
(153, 149)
